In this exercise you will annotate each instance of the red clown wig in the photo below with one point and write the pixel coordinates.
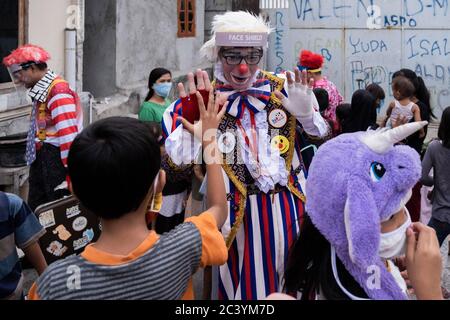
(26, 53)
(310, 61)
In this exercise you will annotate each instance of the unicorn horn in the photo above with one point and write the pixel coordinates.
(381, 141)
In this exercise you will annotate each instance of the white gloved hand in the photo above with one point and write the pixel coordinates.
(301, 102)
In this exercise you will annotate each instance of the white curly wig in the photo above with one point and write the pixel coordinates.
(233, 21)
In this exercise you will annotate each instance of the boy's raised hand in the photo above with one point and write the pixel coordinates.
(210, 117)
(205, 130)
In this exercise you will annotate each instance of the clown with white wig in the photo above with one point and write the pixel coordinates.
(261, 145)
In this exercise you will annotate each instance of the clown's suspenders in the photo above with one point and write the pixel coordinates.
(41, 119)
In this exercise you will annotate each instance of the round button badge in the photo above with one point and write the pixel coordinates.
(277, 118)
(226, 142)
(281, 143)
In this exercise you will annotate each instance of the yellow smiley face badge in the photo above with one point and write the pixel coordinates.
(281, 143)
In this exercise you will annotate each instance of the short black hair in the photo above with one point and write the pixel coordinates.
(376, 90)
(343, 111)
(40, 66)
(322, 98)
(156, 130)
(363, 112)
(444, 128)
(112, 164)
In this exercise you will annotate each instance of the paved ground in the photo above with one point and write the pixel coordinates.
(30, 274)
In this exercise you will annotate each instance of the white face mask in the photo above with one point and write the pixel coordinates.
(393, 244)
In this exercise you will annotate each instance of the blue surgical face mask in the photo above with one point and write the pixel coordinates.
(162, 89)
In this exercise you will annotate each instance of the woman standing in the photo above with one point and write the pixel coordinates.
(156, 102)
(176, 189)
(437, 157)
(422, 99)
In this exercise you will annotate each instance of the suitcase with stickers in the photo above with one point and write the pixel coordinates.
(70, 227)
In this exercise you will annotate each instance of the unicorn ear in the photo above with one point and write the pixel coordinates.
(362, 223)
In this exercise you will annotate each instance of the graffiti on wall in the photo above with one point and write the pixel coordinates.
(366, 41)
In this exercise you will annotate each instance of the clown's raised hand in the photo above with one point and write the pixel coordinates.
(300, 102)
(189, 100)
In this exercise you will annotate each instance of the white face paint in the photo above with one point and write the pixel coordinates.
(240, 65)
(393, 243)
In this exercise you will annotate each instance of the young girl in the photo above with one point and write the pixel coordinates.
(171, 211)
(156, 102)
(403, 106)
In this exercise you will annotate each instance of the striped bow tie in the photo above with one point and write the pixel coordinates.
(254, 98)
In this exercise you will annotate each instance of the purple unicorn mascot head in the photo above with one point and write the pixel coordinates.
(356, 181)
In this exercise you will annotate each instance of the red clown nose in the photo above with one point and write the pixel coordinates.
(243, 68)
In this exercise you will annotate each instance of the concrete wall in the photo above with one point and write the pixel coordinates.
(365, 44)
(80, 42)
(212, 8)
(147, 38)
(99, 47)
(47, 20)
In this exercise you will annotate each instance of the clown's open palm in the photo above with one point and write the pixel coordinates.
(300, 101)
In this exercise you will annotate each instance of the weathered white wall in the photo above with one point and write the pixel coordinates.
(213, 7)
(365, 41)
(99, 47)
(47, 20)
(147, 38)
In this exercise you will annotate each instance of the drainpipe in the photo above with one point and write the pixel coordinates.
(70, 69)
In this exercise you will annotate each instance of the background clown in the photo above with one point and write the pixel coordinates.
(56, 119)
(313, 63)
(262, 158)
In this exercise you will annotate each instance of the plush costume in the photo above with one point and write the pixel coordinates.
(264, 188)
(355, 182)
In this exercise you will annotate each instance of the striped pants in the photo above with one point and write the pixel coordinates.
(258, 254)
